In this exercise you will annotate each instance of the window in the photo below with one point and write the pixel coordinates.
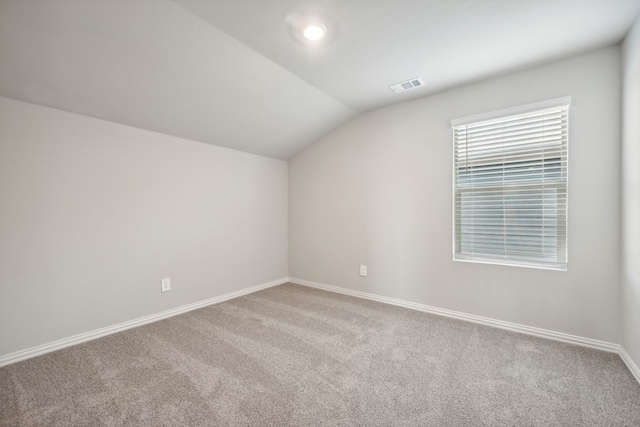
(510, 186)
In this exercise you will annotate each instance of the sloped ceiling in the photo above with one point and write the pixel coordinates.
(232, 73)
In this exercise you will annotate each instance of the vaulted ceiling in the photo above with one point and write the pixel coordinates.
(234, 73)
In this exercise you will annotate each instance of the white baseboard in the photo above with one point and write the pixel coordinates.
(91, 335)
(543, 333)
(630, 364)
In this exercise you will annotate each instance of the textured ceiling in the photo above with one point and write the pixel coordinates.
(231, 72)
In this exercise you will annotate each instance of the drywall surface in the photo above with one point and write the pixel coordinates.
(378, 191)
(94, 214)
(631, 195)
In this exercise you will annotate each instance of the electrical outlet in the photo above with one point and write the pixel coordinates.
(363, 270)
(166, 284)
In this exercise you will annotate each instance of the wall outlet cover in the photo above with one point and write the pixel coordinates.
(166, 284)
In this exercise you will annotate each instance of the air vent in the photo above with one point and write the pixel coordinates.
(408, 85)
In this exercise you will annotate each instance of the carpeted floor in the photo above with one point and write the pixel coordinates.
(296, 356)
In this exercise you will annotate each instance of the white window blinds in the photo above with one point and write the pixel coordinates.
(510, 186)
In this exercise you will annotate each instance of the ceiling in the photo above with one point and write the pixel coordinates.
(233, 73)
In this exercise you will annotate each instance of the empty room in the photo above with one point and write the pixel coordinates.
(319, 213)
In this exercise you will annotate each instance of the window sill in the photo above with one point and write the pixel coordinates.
(512, 263)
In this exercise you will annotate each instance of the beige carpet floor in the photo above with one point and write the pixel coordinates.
(296, 356)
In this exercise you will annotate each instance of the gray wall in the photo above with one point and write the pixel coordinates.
(94, 214)
(631, 195)
(378, 191)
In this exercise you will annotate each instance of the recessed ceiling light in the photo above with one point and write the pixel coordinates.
(314, 32)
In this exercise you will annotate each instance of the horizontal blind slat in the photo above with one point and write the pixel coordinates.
(510, 198)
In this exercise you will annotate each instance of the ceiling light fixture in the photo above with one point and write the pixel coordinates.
(314, 32)
(310, 30)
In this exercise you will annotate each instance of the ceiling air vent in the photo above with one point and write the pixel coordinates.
(408, 85)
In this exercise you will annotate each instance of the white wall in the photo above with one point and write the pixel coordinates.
(378, 191)
(93, 214)
(631, 195)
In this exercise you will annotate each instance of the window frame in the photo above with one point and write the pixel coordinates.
(498, 116)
